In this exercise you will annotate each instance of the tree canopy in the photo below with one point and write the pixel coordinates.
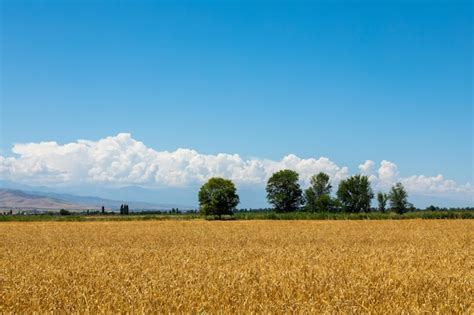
(398, 199)
(218, 197)
(382, 200)
(284, 192)
(317, 196)
(355, 194)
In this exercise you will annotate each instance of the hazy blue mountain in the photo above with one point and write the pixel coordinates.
(36, 197)
(16, 199)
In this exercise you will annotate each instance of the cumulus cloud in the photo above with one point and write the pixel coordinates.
(367, 167)
(388, 173)
(122, 160)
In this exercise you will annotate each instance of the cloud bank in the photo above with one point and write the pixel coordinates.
(122, 160)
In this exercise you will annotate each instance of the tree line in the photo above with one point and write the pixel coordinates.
(219, 196)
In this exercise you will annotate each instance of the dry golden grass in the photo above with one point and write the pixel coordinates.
(412, 266)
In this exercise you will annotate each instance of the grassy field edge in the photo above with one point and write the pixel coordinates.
(262, 215)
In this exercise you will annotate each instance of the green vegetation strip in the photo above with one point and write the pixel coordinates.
(261, 215)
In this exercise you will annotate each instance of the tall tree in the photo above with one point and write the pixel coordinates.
(317, 196)
(355, 194)
(398, 199)
(121, 209)
(382, 200)
(284, 192)
(218, 197)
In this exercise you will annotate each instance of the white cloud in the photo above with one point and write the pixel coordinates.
(367, 167)
(122, 160)
(436, 184)
(387, 173)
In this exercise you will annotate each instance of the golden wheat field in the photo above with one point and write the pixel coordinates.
(412, 266)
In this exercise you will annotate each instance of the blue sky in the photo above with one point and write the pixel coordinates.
(350, 81)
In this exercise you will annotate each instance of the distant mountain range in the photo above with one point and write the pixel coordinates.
(138, 198)
(17, 199)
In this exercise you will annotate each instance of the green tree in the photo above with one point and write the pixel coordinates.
(121, 209)
(284, 192)
(317, 196)
(218, 197)
(399, 199)
(382, 200)
(355, 194)
(64, 212)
